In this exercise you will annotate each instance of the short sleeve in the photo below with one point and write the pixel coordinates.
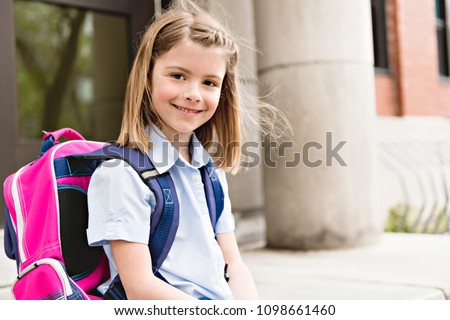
(226, 222)
(120, 205)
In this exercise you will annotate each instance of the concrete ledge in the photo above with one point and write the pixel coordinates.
(399, 266)
(5, 293)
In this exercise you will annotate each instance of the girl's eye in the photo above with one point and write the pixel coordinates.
(210, 83)
(177, 76)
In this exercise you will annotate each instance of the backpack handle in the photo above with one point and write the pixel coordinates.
(51, 138)
(67, 133)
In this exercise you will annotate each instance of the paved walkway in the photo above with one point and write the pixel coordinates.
(399, 266)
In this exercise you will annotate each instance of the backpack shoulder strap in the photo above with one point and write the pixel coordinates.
(214, 192)
(165, 218)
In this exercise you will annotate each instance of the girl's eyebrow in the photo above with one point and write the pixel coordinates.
(188, 72)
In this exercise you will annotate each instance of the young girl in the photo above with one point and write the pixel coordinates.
(182, 93)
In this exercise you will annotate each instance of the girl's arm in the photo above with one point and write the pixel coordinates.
(241, 281)
(134, 264)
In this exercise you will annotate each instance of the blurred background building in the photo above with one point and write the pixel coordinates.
(365, 84)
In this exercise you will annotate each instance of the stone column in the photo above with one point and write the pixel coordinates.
(245, 189)
(320, 192)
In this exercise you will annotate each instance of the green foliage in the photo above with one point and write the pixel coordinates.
(398, 220)
(405, 219)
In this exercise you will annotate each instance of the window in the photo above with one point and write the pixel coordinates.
(380, 50)
(63, 63)
(442, 42)
(71, 69)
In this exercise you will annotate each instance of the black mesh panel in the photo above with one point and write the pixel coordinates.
(79, 258)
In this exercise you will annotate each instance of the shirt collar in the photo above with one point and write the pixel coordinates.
(200, 157)
(163, 155)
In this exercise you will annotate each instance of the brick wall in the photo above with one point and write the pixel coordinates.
(413, 85)
(386, 95)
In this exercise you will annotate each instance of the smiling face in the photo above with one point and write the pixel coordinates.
(186, 85)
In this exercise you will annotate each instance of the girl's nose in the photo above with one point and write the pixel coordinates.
(192, 94)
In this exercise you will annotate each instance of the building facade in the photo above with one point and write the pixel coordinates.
(365, 70)
(411, 51)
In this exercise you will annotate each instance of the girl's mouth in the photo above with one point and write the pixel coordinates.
(187, 110)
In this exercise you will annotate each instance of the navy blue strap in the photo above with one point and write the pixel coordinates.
(162, 237)
(47, 144)
(10, 240)
(71, 166)
(165, 219)
(213, 191)
(62, 168)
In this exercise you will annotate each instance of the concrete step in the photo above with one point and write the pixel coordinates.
(398, 266)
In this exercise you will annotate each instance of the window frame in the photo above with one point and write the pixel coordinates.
(442, 40)
(379, 32)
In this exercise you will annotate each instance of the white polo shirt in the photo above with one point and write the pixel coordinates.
(120, 205)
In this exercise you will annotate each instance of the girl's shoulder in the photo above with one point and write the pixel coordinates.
(116, 172)
(119, 182)
(221, 175)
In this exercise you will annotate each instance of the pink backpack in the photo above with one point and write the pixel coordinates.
(47, 216)
(45, 227)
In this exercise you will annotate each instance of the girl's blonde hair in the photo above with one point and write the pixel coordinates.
(167, 29)
(224, 131)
